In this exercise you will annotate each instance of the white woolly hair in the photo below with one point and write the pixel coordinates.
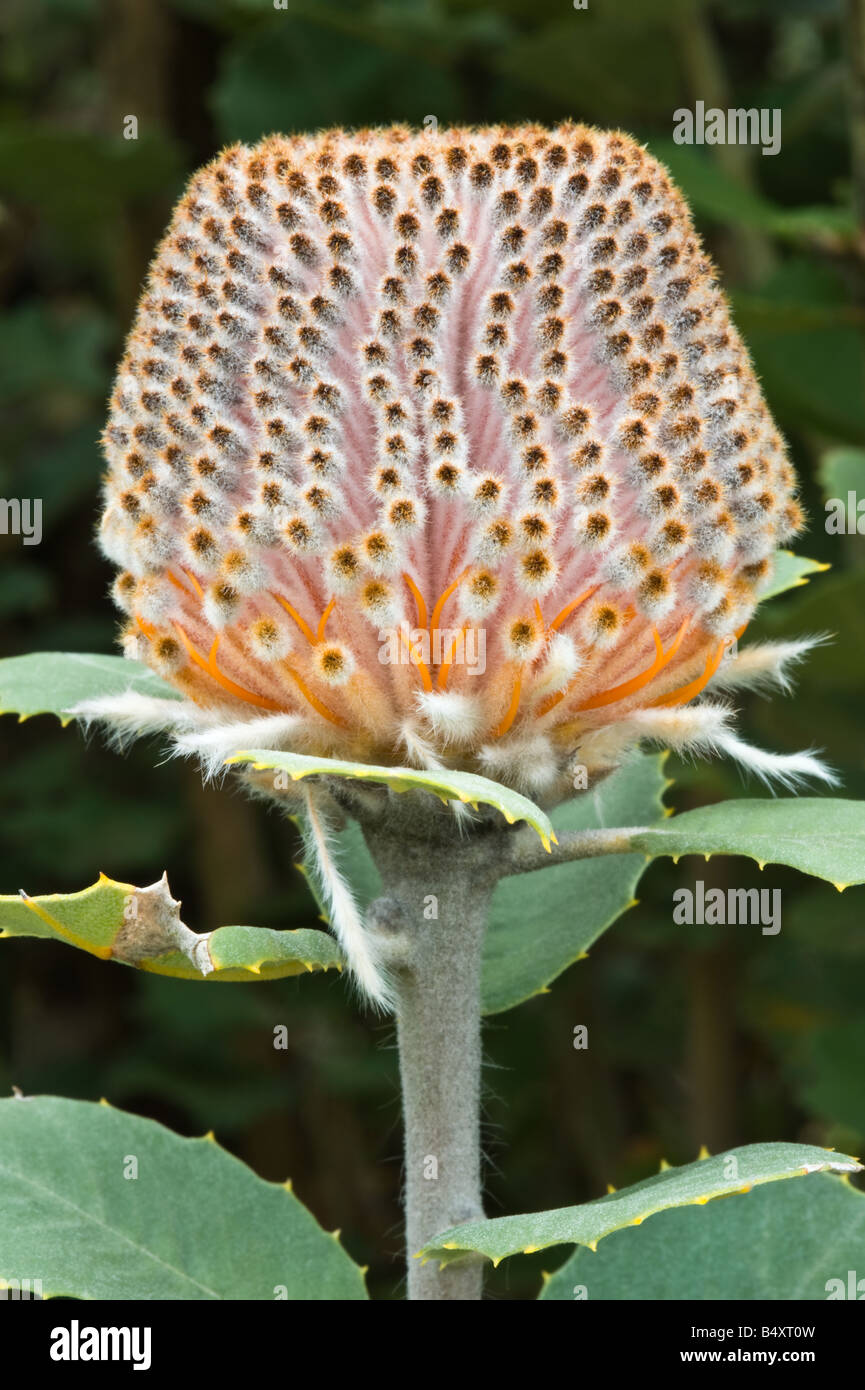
(705, 728)
(130, 716)
(420, 751)
(686, 728)
(367, 970)
(764, 665)
(788, 769)
(529, 764)
(421, 755)
(561, 664)
(452, 716)
(213, 745)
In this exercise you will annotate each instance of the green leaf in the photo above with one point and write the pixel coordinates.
(738, 1170)
(193, 1223)
(448, 786)
(78, 183)
(282, 76)
(790, 571)
(834, 1064)
(807, 343)
(807, 1233)
(820, 836)
(142, 927)
(52, 682)
(257, 953)
(715, 194)
(600, 56)
(834, 605)
(842, 471)
(43, 349)
(542, 922)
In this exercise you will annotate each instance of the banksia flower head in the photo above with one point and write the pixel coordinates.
(442, 449)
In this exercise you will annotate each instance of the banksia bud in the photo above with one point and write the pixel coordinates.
(445, 445)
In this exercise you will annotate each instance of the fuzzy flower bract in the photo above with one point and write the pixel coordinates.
(441, 449)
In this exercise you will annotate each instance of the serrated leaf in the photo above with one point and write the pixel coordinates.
(822, 836)
(790, 571)
(541, 922)
(52, 682)
(246, 954)
(97, 920)
(194, 1223)
(696, 1183)
(446, 785)
(783, 1241)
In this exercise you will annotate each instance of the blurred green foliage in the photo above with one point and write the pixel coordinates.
(697, 1035)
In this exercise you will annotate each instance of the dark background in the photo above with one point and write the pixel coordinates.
(697, 1035)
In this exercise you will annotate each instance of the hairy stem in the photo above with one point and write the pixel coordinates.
(525, 853)
(435, 914)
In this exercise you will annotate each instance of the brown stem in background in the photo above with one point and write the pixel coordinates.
(856, 43)
(134, 64)
(591, 1115)
(747, 255)
(231, 869)
(711, 1047)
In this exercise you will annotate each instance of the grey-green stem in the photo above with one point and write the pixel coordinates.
(525, 853)
(431, 924)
